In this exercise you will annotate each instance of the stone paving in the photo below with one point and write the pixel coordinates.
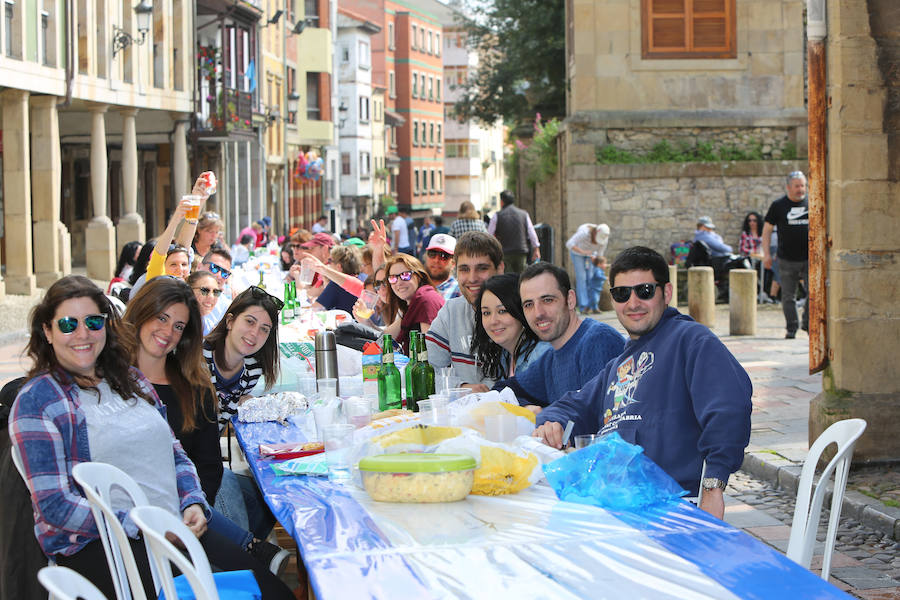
(866, 562)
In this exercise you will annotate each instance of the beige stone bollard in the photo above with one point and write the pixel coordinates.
(606, 302)
(742, 301)
(702, 295)
(673, 279)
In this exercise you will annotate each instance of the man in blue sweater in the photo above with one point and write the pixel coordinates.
(581, 347)
(676, 390)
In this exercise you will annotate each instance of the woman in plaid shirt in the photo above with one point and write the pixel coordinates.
(84, 402)
(468, 220)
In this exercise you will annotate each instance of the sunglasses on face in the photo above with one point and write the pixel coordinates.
(437, 254)
(644, 291)
(217, 270)
(295, 246)
(68, 325)
(404, 276)
(261, 294)
(378, 283)
(205, 291)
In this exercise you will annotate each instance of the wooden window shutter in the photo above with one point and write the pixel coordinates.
(688, 29)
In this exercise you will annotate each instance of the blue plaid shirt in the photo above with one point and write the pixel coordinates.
(50, 431)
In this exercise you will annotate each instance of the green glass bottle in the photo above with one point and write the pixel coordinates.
(295, 300)
(262, 284)
(389, 382)
(287, 311)
(413, 357)
(423, 375)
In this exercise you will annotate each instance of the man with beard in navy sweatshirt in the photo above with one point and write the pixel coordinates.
(675, 390)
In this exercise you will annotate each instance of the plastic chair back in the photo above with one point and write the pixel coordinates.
(65, 584)
(155, 523)
(809, 502)
(98, 481)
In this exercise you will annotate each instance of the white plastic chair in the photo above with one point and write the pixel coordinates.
(98, 480)
(806, 513)
(65, 584)
(155, 523)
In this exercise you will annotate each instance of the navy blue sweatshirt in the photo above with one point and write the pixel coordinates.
(677, 392)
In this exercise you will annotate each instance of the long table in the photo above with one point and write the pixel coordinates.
(525, 545)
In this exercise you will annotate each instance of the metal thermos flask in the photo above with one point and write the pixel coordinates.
(326, 357)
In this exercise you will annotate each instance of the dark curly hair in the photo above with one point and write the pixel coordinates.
(759, 223)
(113, 363)
(486, 351)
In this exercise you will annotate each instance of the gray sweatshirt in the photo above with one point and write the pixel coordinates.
(449, 340)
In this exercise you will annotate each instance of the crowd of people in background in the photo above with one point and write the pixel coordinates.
(175, 336)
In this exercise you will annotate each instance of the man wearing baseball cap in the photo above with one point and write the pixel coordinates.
(439, 264)
(319, 246)
(705, 233)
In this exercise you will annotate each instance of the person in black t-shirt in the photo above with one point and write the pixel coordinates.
(790, 214)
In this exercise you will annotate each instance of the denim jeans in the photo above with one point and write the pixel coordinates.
(791, 273)
(228, 528)
(595, 285)
(240, 501)
(583, 267)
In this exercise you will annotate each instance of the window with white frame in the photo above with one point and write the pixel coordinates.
(437, 44)
(438, 136)
(433, 189)
(391, 39)
(421, 39)
(415, 85)
(431, 88)
(416, 177)
(412, 40)
(364, 109)
(430, 41)
(392, 84)
(431, 134)
(345, 54)
(363, 58)
(365, 164)
(437, 88)
(345, 163)
(440, 179)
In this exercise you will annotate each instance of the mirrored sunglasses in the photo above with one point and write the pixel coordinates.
(205, 291)
(438, 254)
(404, 276)
(644, 291)
(68, 325)
(217, 270)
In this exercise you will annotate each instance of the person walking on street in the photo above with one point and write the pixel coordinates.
(588, 242)
(469, 219)
(513, 229)
(399, 231)
(790, 214)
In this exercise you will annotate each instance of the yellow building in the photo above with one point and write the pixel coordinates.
(94, 130)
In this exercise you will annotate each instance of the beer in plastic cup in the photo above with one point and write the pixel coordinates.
(193, 212)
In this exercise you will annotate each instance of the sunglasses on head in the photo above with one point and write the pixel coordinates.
(211, 215)
(439, 254)
(644, 291)
(92, 322)
(217, 270)
(261, 294)
(404, 276)
(205, 291)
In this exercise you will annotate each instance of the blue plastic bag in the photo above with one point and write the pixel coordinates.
(611, 473)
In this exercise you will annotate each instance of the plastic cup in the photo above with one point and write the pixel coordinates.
(426, 411)
(442, 379)
(370, 299)
(500, 428)
(454, 394)
(324, 415)
(209, 183)
(338, 442)
(193, 212)
(305, 383)
(327, 388)
(358, 411)
(440, 411)
(585, 440)
(306, 273)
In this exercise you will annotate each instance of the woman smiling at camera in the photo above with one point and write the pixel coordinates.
(85, 403)
(502, 342)
(411, 297)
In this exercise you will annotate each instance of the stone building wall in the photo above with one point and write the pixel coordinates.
(658, 204)
(770, 142)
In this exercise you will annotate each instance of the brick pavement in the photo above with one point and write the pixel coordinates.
(866, 561)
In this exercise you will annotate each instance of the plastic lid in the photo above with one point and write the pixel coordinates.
(416, 463)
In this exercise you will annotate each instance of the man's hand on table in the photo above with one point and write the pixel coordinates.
(551, 433)
(713, 502)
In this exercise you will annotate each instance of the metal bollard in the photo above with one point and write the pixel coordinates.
(742, 301)
(702, 295)
(673, 279)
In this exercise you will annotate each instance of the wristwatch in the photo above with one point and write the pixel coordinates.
(712, 483)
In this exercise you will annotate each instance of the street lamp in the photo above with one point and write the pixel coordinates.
(293, 102)
(122, 39)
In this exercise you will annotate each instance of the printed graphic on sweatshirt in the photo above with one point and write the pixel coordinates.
(798, 215)
(624, 388)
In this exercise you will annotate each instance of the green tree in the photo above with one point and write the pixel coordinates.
(522, 70)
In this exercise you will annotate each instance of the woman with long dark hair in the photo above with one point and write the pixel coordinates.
(502, 343)
(127, 258)
(751, 236)
(169, 352)
(84, 402)
(142, 260)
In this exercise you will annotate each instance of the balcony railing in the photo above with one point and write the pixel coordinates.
(222, 109)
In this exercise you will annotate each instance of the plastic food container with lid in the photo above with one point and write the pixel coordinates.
(410, 477)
